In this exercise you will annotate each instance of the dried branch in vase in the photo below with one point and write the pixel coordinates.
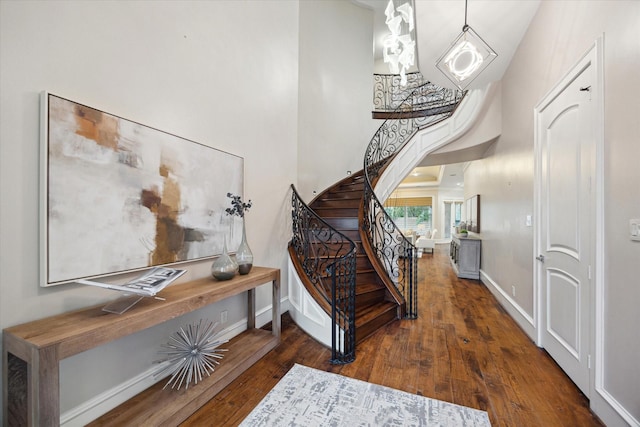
(238, 206)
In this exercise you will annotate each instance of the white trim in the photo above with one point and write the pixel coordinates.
(602, 402)
(43, 200)
(305, 311)
(102, 403)
(610, 411)
(516, 312)
(598, 293)
(585, 62)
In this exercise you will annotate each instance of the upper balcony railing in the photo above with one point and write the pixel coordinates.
(391, 100)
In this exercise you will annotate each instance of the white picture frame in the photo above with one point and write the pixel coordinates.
(118, 196)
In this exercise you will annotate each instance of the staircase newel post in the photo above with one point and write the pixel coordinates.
(412, 293)
(334, 320)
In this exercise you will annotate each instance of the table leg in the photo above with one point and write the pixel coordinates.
(276, 325)
(251, 309)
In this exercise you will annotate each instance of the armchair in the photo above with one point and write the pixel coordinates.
(426, 242)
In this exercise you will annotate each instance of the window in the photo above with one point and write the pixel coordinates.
(458, 213)
(411, 213)
(452, 217)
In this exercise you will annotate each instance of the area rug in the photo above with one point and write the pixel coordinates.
(309, 397)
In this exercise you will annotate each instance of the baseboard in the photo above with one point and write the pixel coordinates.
(104, 402)
(610, 411)
(263, 316)
(522, 318)
(93, 408)
(603, 404)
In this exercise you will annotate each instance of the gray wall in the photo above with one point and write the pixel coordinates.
(222, 73)
(559, 35)
(336, 99)
(259, 79)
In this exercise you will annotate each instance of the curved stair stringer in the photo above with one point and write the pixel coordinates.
(384, 277)
(380, 269)
(433, 138)
(305, 309)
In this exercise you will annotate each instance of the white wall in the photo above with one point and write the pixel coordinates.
(336, 67)
(486, 128)
(559, 35)
(223, 73)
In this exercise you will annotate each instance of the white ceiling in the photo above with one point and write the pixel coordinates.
(442, 176)
(501, 24)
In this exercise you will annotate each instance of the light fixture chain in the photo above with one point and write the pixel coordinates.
(465, 27)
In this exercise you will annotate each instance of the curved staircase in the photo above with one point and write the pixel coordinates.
(351, 270)
(338, 206)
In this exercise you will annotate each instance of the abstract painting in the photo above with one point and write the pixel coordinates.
(119, 196)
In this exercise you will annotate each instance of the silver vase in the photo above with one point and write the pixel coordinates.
(224, 267)
(244, 256)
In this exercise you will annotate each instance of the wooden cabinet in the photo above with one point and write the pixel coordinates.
(465, 256)
(32, 353)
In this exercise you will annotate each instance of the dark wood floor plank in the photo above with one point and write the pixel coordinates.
(463, 348)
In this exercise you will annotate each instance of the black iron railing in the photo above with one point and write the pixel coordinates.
(388, 94)
(328, 258)
(418, 96)
(395, 253)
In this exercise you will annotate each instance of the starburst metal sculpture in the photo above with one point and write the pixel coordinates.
(191, 354)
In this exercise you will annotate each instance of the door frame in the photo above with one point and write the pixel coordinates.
(594, 57)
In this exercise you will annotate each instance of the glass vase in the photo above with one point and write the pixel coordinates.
(224, 267)
(244, 256)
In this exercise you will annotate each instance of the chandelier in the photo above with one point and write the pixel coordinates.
(467, 56)
(399, 46)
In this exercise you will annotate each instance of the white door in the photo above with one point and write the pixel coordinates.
(565, 138)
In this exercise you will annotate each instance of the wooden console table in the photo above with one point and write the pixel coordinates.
(32, 353)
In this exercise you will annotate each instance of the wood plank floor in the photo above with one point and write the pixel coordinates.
(463, 348)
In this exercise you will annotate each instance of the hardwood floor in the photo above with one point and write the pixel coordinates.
(463, 348)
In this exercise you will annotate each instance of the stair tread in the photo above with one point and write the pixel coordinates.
(348, 192)
(336, 212)
(324, 275)
(336, 208)
(370, 312)
(339, 200)
(367, 287)
(337, 204)
(343, 195)
(352, 195)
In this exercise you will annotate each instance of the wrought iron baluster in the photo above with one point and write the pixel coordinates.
(328, 259)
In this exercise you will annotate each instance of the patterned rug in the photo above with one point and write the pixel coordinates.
(309, 397)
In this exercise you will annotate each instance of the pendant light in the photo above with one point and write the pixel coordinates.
(467, 56)
(399, 45)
